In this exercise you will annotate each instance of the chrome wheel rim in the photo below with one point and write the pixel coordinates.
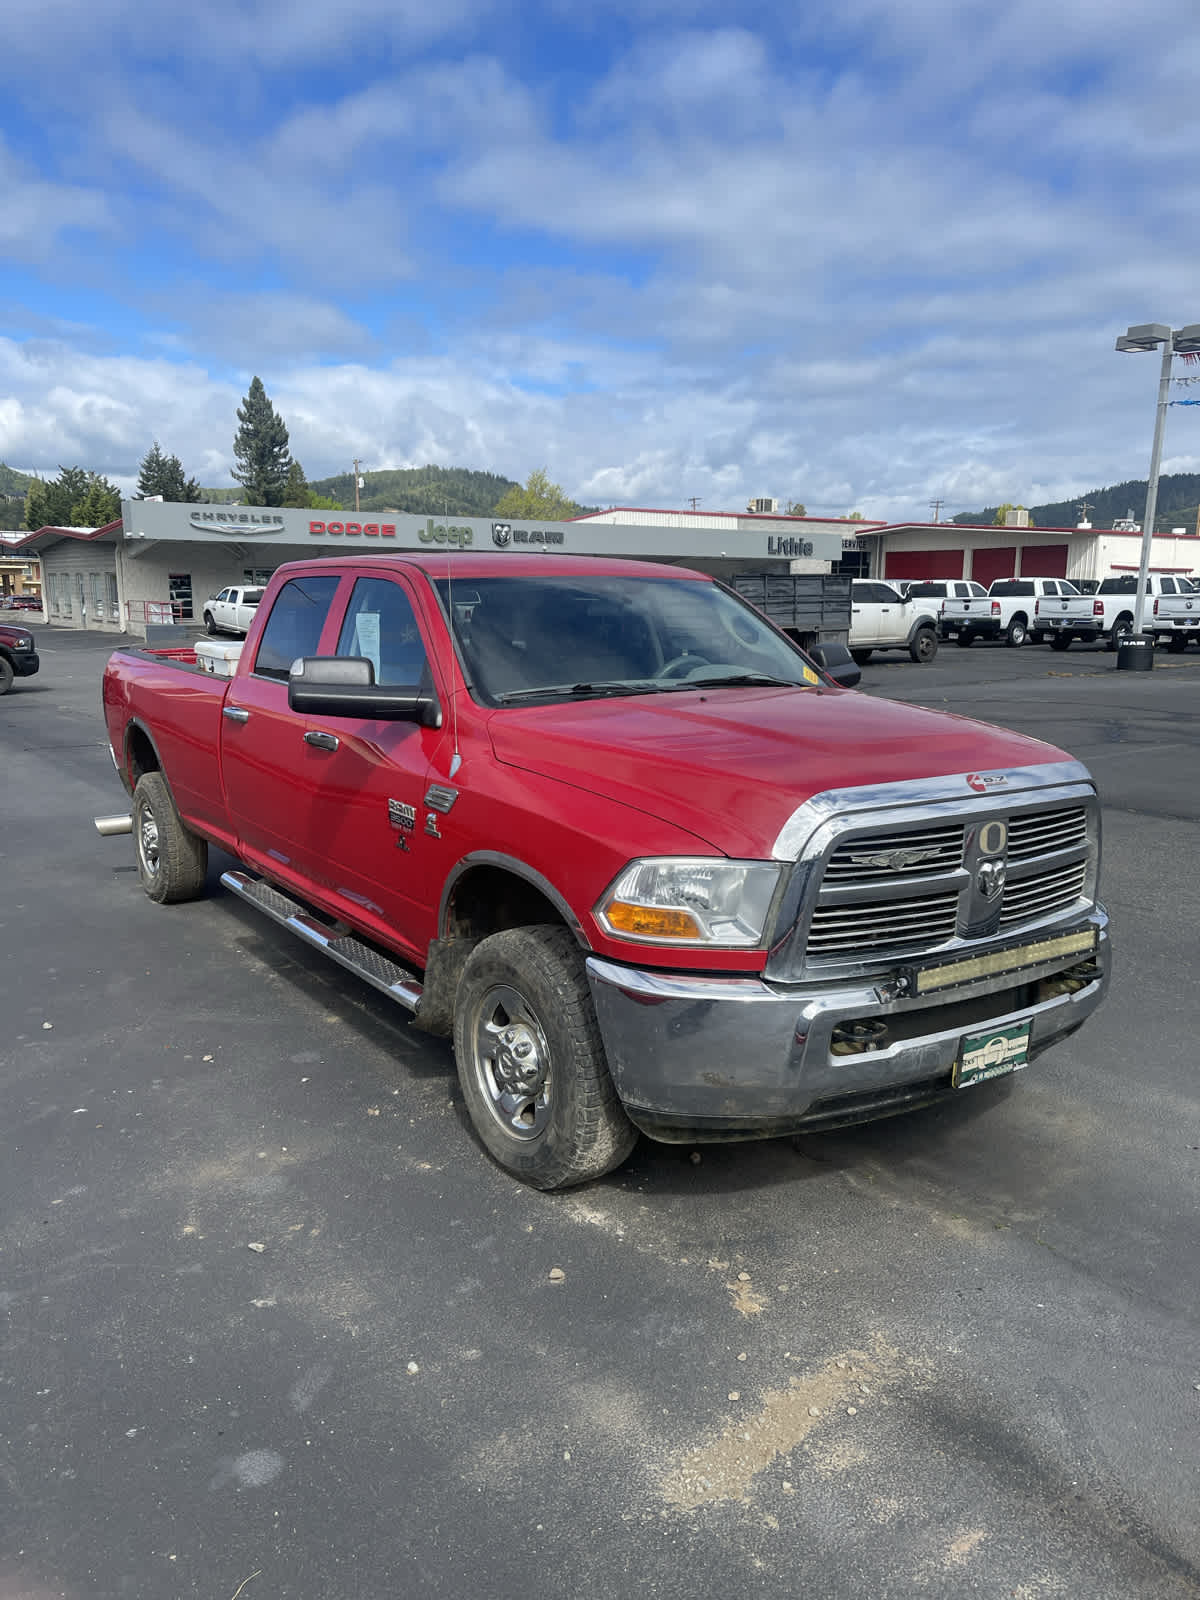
(148, 842)
(510, 1061)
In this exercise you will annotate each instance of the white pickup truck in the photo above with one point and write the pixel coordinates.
(1175, 617)
(882, 619)
(231, 611)
(1109, 613)
(1009, 611)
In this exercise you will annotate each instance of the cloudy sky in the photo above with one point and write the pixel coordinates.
(863, 253)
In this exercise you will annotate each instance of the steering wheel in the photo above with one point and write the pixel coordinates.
(688, 664)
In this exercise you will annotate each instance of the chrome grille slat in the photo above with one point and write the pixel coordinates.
(1041, 832)
(1040, 895)
(876, 925)
(944, 842)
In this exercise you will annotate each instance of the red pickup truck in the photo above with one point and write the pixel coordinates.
(18, 655)
(650, 865)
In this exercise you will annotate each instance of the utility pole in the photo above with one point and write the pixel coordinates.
(694, 501)
(936, 507)
(356, 485)
(1083, 511)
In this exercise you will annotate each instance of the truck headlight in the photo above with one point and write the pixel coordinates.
(678, 900)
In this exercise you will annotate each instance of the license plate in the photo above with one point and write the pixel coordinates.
(992, 1054)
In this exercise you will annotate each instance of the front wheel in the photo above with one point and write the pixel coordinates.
(965, 639)
(531, 1060)
(210, 626)
(172, 861)
(1177, 644)
(7, 675)
(1017, 633)
(861, 656)
(1060, 641)
(924, 646)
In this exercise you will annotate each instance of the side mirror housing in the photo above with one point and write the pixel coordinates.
(344, 686)
(837, 663)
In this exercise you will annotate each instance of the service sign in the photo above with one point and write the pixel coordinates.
(312, 533)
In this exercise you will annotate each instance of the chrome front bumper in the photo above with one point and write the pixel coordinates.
(725, 1058)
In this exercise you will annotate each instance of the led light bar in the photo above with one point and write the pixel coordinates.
(945, 976)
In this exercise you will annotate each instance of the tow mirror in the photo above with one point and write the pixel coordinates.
(837, 663)
(344, 686)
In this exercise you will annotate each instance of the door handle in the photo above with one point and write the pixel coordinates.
(323, 741)
(235, 713)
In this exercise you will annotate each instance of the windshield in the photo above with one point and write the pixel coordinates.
(577, 636)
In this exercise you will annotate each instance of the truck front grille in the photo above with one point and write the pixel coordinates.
(916, 887)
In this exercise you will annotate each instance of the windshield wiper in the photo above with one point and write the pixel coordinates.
(739, 680)
(582, 691)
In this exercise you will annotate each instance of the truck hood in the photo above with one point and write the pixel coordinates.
(731, 765)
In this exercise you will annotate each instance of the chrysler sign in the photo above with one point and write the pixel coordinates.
(237, 521)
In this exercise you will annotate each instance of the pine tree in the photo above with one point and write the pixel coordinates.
(52, 504)
(99, 504)
(164, 475)
(260, 449)
(296, 491)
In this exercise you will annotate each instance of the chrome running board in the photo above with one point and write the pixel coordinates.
(366, 963)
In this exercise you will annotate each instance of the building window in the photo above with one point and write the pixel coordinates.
(98, 603)
(258, 577)
(180, 591)
(114, 605)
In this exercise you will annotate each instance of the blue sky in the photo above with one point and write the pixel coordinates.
(861, 252)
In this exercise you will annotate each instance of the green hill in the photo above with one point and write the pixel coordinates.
(13, 482)
(1178, 497)
(421, 491)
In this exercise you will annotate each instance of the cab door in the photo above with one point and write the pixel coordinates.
(376, 847)
(265, 769)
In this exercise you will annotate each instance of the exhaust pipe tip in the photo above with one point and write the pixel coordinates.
(106, 827)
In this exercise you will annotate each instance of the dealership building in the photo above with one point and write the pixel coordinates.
(160, 560)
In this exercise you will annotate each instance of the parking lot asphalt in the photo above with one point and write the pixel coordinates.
(952, 1353)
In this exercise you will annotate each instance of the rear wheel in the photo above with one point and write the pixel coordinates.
(965, 639)
(924, 646)
(1017, 633)
(7, 675)
(172, 861)
(531, 1060)
(210, 626)
(861, 656)
(1060, 641)
(1121, 629)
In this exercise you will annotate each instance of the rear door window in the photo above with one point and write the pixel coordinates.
(294, 626)
(381, 625)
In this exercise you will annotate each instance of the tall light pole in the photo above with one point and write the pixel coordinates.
(1174, 341)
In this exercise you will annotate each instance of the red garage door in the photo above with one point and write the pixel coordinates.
(991, 563)
(923, 564)
(1044, 561)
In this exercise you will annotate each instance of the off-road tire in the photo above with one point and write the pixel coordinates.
(1016, 633)
(1060, 641)
(924, 646)
(529, 984)
(861, 656)
(172, 861)
(7, 676)
(965, 639)
(210, 626)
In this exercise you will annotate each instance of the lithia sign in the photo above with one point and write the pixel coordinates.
(305, 533)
